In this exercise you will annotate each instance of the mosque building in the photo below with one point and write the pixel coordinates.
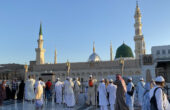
(124, 63)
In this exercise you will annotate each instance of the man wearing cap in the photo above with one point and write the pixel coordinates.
(157, 93)
(69, 93)
(130, 94)
(58, 91)
(77, 88)
(111, 89)
(103, 102)
(140, 89)
(91, 91)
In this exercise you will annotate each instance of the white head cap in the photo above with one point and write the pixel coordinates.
(130, 78)
(58, 79)
(159, 79)
(141, 79)
(102, 79)
(111, 80)
(90, 76)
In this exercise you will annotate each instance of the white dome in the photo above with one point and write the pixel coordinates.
(94, 58)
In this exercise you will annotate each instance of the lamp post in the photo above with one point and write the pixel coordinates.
(68, 68)
(26, 70)
(122, 65)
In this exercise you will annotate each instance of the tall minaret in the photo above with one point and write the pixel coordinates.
(40, 50)
(111, 53)
(55, 57)
(138, 38)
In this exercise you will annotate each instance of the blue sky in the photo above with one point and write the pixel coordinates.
(71, 26)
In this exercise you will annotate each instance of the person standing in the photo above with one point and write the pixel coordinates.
(77, 89)
(8, 92)
(146, 98)
(68, 93)
(48, 89)
(158, 99)
(14, 89)
(2, 92)
(29, 89)
(91, 91)
(58, 91)
(20, 94)
(111, 89)
(130, 94)
(39, 96)
(103, 102)
(140, 91)
(120, 94)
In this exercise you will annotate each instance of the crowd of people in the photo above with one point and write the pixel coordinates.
(117, 95)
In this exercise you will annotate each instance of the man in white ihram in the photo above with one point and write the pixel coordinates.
(58, 91)
(103, 102)
(68, 93)
(140, 91)
(161, 98)
(29, 89)
(111, 89)
(129, 94)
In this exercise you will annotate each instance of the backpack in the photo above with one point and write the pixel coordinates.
(91, 83)
(153, 103)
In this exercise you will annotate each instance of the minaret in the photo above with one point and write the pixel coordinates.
(93, 47)
(111, 53)
(55, 57)
(40, 50)
(138, 38)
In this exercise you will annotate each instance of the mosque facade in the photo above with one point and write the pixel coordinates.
(124, 62)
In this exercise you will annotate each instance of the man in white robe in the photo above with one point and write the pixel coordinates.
(162, 102)
(111, 89)
(68, 93)
(58, 91)
(42, 84)
(130, 94)
(77, 89)
(29, 89)
(140, 89)
(103, 102)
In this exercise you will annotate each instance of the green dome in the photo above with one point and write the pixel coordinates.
(124, 51)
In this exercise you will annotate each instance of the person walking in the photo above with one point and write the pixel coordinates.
(91, 91)
(111, 89)
(14, 89)
(140, 91)
(120, 94)
(146, 98)
(130, 94)
(68, 93)
(48, 89)
(103, 102)
(2, 92)
(158, 99)
(29, 89)
(20, 94)
(58, 91)
(77, 89)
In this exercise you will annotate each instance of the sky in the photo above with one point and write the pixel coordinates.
(71, 26)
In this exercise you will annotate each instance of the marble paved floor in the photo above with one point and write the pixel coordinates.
(47, 106)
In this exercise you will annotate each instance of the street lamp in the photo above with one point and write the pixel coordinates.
(68, 68)
(26, 70)
(122, 61)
